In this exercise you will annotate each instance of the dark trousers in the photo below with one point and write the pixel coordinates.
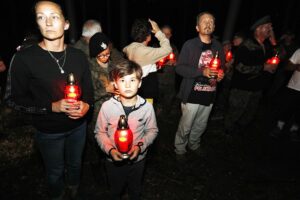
(60, 152)
(290, 106)
(243, 106)
(122, 174)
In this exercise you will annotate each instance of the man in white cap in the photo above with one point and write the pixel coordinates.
(89, 28)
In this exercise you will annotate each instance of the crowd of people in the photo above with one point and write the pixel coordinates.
(133, 83)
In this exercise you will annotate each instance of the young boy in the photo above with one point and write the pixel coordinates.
(142, 122)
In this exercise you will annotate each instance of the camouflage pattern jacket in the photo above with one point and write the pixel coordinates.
(248, 66)
(100, 78)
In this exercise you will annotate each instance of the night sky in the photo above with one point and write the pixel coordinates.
(179, 14)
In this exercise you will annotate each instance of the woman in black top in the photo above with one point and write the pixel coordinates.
(36, 84)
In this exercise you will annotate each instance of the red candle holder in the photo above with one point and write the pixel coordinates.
(215, 64)
(163, 61)
(72, 91)
(171, 56)
(228, 56)
(123, 137)
(274, 60)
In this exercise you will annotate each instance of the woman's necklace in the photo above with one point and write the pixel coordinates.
(57, 60)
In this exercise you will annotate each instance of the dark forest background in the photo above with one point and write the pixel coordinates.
(116, 16)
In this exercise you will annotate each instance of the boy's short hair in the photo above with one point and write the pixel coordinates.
(125, 68)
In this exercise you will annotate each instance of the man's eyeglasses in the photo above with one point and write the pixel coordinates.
(103, 56)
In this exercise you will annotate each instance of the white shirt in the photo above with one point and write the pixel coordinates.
(147, 69)
(294, 82)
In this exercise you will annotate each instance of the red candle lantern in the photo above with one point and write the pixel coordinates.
(274, 60)
(228, 56)
(215, 64)
(171, 56)
(163, 61)
(72, 91)
(123, 137)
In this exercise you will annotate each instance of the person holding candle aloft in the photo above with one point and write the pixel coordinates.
(146, 56)
(36, 85)
(141, 120)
